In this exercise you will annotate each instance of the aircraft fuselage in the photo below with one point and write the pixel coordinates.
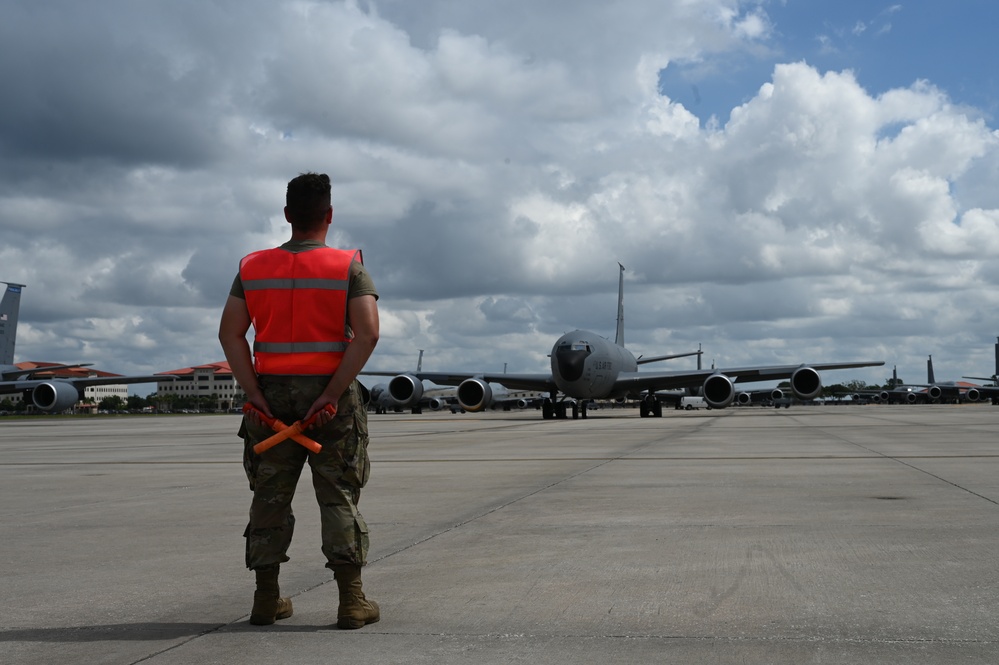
(586, 365)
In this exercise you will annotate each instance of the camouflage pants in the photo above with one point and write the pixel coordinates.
(339, 472)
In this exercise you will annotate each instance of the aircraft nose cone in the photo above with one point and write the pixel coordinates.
(570, 359)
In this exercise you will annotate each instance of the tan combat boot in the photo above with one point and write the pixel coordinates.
(355, 610)
(268, 605)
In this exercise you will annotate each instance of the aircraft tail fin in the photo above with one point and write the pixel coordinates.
(8, 321)
(929, 371)
(997, 358)
(619, 337)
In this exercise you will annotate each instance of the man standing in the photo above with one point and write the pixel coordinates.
(315, 319)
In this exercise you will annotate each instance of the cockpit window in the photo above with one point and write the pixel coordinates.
(571, 359)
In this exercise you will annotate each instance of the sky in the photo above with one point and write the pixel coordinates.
(785, 181)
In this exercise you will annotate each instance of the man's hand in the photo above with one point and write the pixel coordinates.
(262, 406)
(319, 410)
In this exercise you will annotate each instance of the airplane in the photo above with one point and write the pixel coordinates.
(436, 399)
(383, 401)
(52, 394)
(683, 398)
(956, 391)
(991, 391)
(586, 366)
(898, 393)
(933, 391)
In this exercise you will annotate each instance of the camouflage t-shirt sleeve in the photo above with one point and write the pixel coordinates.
(361, 283)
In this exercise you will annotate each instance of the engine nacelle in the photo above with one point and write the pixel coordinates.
(884, 395)
(437, 403)
(973, 395)
(743, 399)
(406, 390)
(911, 398)
(806, 383)
(934, 392)
(776, 394)
(474, 395)
(718, 391)
(56, 396)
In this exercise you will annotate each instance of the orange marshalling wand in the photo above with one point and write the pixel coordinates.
(293, 431)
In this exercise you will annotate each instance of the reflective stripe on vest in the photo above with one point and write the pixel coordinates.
(298, 306)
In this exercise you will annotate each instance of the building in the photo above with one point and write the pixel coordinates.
(210, 387)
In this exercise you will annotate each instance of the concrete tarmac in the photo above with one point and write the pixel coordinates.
(833, 534)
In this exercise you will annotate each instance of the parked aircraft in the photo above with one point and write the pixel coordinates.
(435, 399)
(991, 391)
(934, 391)
(680, 399)
(586, 366)
(899, 393)
(53, 394)
(954, 391)
(405, 395)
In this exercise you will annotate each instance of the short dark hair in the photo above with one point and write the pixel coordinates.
(308, 200)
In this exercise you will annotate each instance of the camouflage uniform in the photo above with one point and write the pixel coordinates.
(339, 472)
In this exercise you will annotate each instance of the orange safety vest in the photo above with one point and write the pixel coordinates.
(298, 307)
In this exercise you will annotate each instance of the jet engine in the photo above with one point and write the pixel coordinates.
(718, 391)
(743, 399)
(806, 383)
(474, 395)
(776, 394)
(55, 396)
(406, 389)
(934, 392)
(973, 395)
(437, 403)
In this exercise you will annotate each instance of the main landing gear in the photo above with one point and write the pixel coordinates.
(553, 409)
(650, 407)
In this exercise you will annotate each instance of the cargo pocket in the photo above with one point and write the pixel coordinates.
(355, 453)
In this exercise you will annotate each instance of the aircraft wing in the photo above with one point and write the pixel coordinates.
(640, 381)
(80, 383)
(536, 382)
(16, 373)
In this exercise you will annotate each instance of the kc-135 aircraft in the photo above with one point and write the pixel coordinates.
(586, 366)
(52, 394)
(437, 399)
(990, 391)
(933, 391)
